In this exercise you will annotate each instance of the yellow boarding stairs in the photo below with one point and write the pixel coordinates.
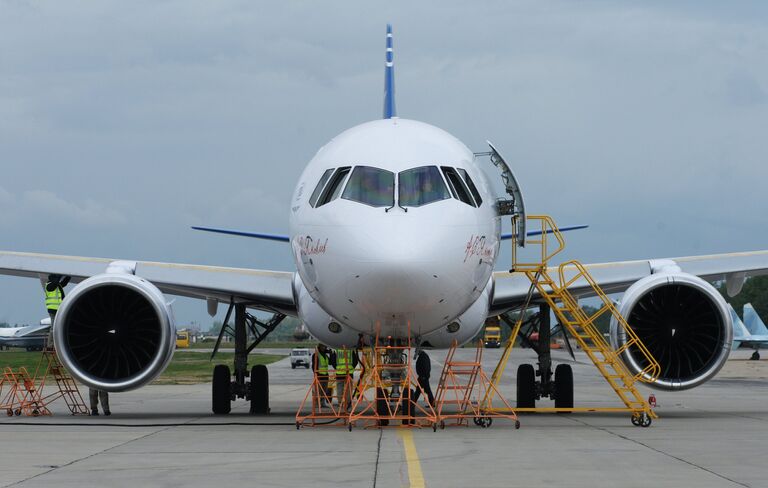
(581, 326)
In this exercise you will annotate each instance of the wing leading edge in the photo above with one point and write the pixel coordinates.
(511, 289)
(268, 290)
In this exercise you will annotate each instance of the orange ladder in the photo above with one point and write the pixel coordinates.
(23, 396)
(66, 387)
(390, 367)
(462, 386)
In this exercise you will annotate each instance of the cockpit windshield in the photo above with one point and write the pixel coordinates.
(371, 186)
(420, 186)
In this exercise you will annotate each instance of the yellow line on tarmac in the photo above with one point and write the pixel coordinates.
(415, 477)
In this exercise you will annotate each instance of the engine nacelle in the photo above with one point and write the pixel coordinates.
(115, 332)
(685, 324)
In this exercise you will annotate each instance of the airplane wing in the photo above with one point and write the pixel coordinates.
(267, 290)
(510, 289)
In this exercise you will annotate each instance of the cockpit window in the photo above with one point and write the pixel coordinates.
(458, 188)
(319, 187)
(333, 189)
(371, 186)
(471, 185)
(420, 186)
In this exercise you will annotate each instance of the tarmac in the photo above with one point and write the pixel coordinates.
(712, 436)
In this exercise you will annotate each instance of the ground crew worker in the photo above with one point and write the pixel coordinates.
(96, 396)
(320, 368)
(423, 370)
(54, 294)
(345, 363)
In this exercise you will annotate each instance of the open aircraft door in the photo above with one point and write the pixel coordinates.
(515, 206)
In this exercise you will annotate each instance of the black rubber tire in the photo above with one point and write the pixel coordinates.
(526, 386)
(755, 356)
(293, 366)
(260, 389)
(306, 366)
(221, 395)
(563, 386)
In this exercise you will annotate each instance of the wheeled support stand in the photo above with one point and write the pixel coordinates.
(227, 387)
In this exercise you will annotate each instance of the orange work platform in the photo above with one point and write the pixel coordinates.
(21, 393)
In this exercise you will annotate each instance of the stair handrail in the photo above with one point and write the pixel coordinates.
(548, 228)
(652, 370)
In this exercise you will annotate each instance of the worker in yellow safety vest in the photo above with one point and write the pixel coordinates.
(54, 294)
(344, 362)
(320, 363)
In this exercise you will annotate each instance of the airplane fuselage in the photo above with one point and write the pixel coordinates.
(388, 242)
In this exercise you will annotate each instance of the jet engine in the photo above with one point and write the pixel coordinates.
(115, 332)
(685, 324)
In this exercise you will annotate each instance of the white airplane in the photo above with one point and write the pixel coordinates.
(31, 337)
(394, 230)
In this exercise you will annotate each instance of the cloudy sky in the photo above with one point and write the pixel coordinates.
(123, 123)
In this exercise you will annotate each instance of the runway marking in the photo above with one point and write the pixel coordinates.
(415, 477)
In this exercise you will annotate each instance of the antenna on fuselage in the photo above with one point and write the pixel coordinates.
(389, 79)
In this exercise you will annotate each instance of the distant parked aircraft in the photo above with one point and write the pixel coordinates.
(752, 332)
(757, 330)
(31, 337)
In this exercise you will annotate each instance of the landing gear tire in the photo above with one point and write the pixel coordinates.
(221, 395)
(526, 386)
(755, 356)
(517, 424)
(563, 386)
(293, 366)
(259, 389)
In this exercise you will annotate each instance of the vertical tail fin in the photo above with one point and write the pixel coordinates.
(739, 330)
(753, 321)
(389, 79)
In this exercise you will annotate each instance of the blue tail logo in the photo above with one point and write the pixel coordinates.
(389, 79)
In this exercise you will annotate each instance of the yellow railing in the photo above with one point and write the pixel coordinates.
(555, 291)
(652, 370)
(549, 231)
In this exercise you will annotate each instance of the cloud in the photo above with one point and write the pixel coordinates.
(45, 206)
(120, 127)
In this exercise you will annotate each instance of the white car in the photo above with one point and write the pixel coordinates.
(300, 357)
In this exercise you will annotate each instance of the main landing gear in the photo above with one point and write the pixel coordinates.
(227, 387)
(755, 356)
(529, 389)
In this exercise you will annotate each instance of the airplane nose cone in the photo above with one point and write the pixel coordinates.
(408, 277)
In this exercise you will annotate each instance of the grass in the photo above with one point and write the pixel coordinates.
(186, 368)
